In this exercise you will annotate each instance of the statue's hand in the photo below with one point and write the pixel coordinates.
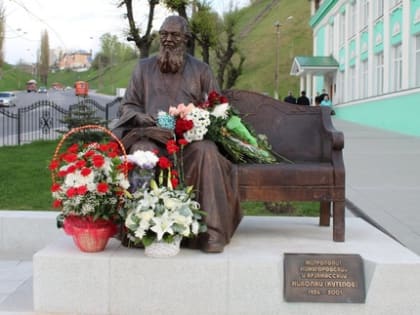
(161, 135)
(144, 120)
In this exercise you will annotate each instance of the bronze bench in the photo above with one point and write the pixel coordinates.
(304, 135)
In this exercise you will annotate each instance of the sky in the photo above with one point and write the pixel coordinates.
(73, 25)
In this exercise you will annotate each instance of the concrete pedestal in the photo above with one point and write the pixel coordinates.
(247, 278)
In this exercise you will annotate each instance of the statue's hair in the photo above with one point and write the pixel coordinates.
(178, 19)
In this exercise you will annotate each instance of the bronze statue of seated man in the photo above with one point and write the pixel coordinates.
(170, 78)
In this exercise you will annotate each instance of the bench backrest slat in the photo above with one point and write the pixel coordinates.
(294, 131)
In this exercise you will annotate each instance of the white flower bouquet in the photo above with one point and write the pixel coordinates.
(165, 209)
(161, 214)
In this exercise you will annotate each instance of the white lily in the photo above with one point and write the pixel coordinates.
(162, 225)
(172, 203)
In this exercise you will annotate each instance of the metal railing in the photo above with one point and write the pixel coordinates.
(43, 120)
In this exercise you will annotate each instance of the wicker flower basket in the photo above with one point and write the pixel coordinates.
(162, 249)
(89, 235)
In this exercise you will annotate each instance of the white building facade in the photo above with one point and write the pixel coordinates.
(376, 44)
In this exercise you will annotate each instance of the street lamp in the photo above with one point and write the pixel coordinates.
(277, 25)
(276, 74)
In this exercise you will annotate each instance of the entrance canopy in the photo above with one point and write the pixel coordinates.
(313, 65)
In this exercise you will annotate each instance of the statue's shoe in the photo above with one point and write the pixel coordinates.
(214, 244)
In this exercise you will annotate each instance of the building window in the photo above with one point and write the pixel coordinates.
(417, 60)
(353, 16)
(351, 84)
(342, 28)
(379, 9)
(364, 7)
(364, 79)
(396, 68)
(339, 96)
(379, 74)
(331, 40)
(394, 3)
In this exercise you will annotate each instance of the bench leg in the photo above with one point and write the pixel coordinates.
(324, 213)
(338, 221)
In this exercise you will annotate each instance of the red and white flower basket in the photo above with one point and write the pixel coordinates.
(89, 183)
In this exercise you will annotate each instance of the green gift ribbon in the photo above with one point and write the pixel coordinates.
(235, 125)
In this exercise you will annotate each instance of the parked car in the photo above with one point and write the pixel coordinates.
(42, 89)
(7, 99)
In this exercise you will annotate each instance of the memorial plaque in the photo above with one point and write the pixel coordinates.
(334, 278)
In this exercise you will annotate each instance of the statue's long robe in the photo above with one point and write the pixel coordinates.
(213, 176)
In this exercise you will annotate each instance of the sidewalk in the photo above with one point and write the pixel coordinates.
(382, 187)
(383, 180)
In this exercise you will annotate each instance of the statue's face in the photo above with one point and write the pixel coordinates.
(172, 35)
(173, 43)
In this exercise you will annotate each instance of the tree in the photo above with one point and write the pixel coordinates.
(206, 26)
(225, 52)
(180, 6)
(112, 52)
(144, 42)
(2, 30)
(82, 114)
(44, 59)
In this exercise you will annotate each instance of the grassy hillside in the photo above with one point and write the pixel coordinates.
(12, 78)
(104, 80)
(257, 41)
(260, 43)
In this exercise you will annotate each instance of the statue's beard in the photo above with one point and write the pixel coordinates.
(171, 60)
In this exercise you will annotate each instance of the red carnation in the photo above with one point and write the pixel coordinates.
(102, 188)
(174, 182)
(213, 98)
(70, 157)
(103, 147)
(98, 160)
(73, 148)
(57, 203)
(71, 192)
(55, 187)
(112, 154)
(71, 169)
(62, 173)
(164, 162)
(85, 171)
(82, 190)
(223, 99)
(126, 167)
(182, 142)
(183, 125)
(54, 165)
(80, 163)
(172, 147)
(89, 153)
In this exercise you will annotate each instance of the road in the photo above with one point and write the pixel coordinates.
(41, 122)
(62, 98)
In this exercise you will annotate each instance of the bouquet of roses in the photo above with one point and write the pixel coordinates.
(216, 120)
